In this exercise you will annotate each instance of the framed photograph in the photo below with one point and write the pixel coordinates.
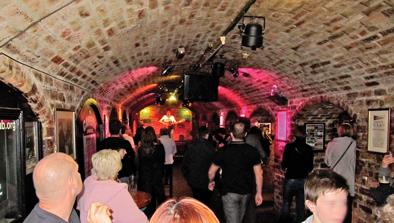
(315, 133)
(65, 132)
(266, 125)
(378, 130)
(32, 145)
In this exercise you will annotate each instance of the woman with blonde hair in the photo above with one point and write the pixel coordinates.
(102, 186)
(186, 210)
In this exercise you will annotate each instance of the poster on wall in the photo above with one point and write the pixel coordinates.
(315, 135)
(65, 132)
(378, 130)
(89, 145)
(31, 145)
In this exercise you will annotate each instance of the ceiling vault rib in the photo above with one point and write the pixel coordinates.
(35, 22)
(43, 72)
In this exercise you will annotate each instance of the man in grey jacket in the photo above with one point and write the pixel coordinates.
(341, 157)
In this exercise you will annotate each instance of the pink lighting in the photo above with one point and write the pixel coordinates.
(231, 96)
(282, 125)
(138, 93)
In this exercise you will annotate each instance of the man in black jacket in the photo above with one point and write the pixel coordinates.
(196, 162)
(297, 161)
(116, 142)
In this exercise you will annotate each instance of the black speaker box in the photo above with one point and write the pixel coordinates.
(200, 87)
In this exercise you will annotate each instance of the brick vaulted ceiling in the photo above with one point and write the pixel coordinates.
(116, 49)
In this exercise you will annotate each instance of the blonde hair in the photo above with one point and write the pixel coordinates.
(386, 212)
(106, 164)
(186, 210)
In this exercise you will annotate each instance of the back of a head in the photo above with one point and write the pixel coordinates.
(246, 123)
(148, 136)
(115, 127)
(106, 164)
(239, 130)
(299, 131)
(321, 181)
(345, 129)
(186, 210)
(51, 174)
(203, 131)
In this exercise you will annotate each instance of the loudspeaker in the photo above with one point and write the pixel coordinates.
(200, 87)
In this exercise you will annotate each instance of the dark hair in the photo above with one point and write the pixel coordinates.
(203, 131)
(148, 138)
(244, 121)
(115, 126)
(299, 131)
(164, 131)
(239, 130)
(345, 129)
(254, 131)
(321, 181)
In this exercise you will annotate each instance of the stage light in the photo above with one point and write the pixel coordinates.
(172, 98)
(252, 33)
(180, 52)
(234, 70)
(167, 70)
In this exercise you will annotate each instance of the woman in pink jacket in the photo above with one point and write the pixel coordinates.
(102, 187)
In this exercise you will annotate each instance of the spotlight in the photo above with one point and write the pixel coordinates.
(167, 70)
(186, 104)
(159, 100)
(252, 33)
(234, 70)
(180, 52)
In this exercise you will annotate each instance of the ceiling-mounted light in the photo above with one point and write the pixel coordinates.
(234, 70)
(252, 33)
(167, 70)
(180, 52)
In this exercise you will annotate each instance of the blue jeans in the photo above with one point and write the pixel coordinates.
(234, 206)
(293, 187)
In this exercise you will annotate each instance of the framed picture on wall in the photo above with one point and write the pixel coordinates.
(315, 133)
(378, 130)
(65, 132)
(32, 145)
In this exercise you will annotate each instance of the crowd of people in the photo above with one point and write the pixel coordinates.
(228, 165)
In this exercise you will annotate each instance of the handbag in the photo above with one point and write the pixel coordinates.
(342, 155)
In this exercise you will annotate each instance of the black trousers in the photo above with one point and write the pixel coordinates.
(348, 218)
(203, 195)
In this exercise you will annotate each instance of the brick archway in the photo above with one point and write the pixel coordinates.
(23, 79)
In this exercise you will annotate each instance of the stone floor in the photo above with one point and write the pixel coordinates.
(265, 212)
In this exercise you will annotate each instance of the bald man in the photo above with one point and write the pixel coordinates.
(57, 183)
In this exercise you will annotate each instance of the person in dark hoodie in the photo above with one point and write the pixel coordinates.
(196, 162)
(297, 162)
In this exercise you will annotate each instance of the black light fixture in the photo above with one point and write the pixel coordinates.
(252, 33)
(234, 70)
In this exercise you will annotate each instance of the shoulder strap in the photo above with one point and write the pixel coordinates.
(342, 155)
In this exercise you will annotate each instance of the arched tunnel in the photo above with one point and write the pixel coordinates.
(78, 64)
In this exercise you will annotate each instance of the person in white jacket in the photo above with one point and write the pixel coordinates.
(170, 149)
